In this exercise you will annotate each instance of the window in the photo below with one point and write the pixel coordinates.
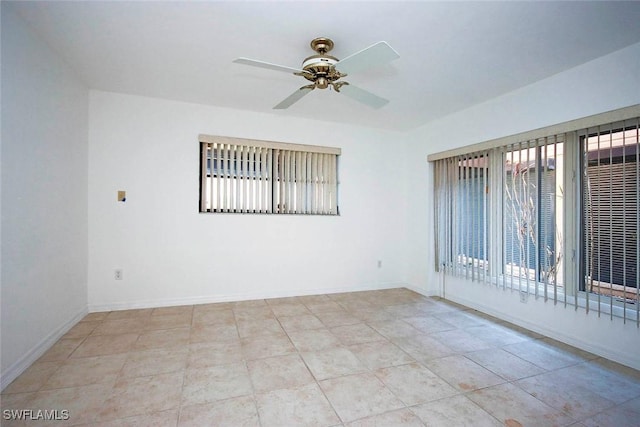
(555, 216)
(532, 240)
(249, 176)
(610, 220)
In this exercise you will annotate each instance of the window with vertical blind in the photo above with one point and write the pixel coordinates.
(555, 216)
(252, 176)
(610, 163)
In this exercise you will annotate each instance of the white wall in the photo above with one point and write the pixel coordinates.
(604, 84)
(44, 197)
(171, 254)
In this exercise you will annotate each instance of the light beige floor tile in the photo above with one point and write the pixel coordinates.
(358, 396)
(356, 334)
(463, 319)
(543, 355)
(127, 314)
(234, 412)
(310, 299)
(82, 329)
(258, 327)
(505, 364)
(515, 407)
(574, 400)
(300, 322)
(423, 348)
(614, 367)
(606, 382)
(143, 395)
(266, 346)
(278, 372)
(460, 341)
(33, 378)
(526, 333)
(403, 311)
(200, 348)
(176, 310)
(82, 403)
(166, 338)
(272, 302)
(206, 385)
(102, 345)
(597, 380)
(582, 354)
(439, 306)
(496, 335)
(314, 339)
(213, 317)
(252, 303)
(332, 319)
(15, 401)
(428, 324)
(253, 313)
(97, 316)
(85, 371)
(205, 355)
(167, 418)
(374, 314)
(323, 306)
(209, 333)
(120, 326)
(301, 406)
(290, 309)
(61, 350)
(380, 354)
(413, 384)
(333, 362)
(462, 373)
(154, 362)
(456, 411)
(400, 418)
(167, 321)
(626, 414)
(394, 329)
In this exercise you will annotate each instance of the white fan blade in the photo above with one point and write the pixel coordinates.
(294, 97)
(364, 96)
(372, 56)
(267, 65)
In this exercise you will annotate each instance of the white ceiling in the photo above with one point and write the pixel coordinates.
(452, 54)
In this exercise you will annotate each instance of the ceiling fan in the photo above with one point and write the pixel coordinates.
(324, 71)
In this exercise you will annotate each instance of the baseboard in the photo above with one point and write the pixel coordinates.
(210, 299)
(38, 350)
(420, 291)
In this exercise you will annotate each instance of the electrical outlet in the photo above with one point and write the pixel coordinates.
(523, 297)
(379, 263)
(117, 274)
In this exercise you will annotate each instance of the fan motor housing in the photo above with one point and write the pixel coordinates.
(319, 63)
(320, 69)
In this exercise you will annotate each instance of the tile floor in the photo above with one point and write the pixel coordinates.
(378, 358)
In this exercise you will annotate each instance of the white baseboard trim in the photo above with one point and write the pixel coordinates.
(17, 368)
(605, 352)
(210, 299)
